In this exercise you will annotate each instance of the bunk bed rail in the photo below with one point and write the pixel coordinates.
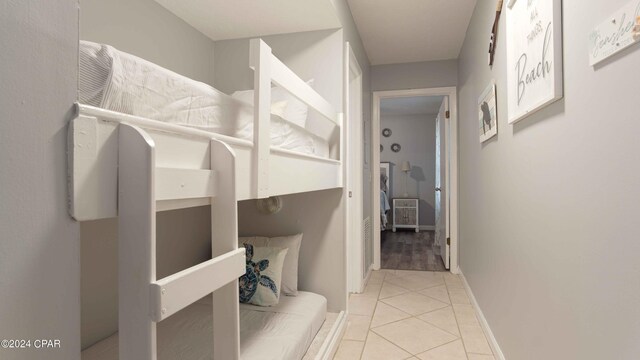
(267, 171)
(267, 69)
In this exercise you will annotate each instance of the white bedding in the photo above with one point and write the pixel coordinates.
(281, 332)
(115, 80)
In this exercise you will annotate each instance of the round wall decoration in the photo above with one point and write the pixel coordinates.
(386, 132)
(271, 205)
(396, 147)
(381, 148)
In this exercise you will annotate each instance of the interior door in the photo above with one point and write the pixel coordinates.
(442, 181)
(356, 247)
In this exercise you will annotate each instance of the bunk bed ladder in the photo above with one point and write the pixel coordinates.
(145, 300)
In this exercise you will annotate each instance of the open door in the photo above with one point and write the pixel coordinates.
(357, 249)
(442, 181)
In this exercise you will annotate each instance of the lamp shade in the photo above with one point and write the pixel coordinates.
(406, 166)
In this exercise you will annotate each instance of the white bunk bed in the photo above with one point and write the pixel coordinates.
(131, 167)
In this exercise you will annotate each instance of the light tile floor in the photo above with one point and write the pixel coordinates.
(413, 315)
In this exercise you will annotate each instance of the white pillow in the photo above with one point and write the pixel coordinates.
(263, 277)
(296, 111)
(290, 269)
(279, 108)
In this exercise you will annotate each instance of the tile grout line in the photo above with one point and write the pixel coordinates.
(416, 317)
(466, 353)
(372, 314)
(448, 288)
(439, 346)
(459, 337)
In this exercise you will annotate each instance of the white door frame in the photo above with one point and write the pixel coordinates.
(451, 92)
(354, 171)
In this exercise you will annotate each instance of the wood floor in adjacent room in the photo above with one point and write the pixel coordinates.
(408, 250)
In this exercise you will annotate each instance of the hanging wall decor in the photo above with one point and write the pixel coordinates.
(386, 132)
(494, 33)
(396, 148)
(269, 206)
(534, 56)
(488, 113)
(615, 34)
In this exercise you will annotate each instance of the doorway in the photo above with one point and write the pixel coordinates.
(422, 196)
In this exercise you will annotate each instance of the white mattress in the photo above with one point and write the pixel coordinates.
(282, 332)
(115, 80)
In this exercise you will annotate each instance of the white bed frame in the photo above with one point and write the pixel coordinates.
(131, 167)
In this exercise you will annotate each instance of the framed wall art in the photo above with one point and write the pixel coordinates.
(615, 34)
(534, 56)
(488, 113)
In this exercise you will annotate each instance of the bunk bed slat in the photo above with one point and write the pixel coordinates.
(224, 238)
(88, 166)
(260, 55)
(166, 205)
(287, 79)
(172, 184)
(175, 292)
(136, 243)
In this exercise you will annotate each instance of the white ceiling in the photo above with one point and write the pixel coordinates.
(419, 105)
(401, 31)
(235, 19)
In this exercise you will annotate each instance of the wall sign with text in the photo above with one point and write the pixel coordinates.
(615, 34)
(534, 55)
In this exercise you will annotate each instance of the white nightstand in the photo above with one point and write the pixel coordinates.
(406, 214)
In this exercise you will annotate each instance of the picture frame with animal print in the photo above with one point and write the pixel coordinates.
(488, 113)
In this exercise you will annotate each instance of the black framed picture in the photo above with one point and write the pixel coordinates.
(396, 147)
(386, 132)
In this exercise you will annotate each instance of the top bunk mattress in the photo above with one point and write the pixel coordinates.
(118, 81)
(281, 332)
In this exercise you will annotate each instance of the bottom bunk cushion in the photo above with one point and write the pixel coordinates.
(290, 268)
(281, 332)
(260, 285)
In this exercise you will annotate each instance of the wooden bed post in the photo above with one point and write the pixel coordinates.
(224, 238)
(136, 243)
(260, 62)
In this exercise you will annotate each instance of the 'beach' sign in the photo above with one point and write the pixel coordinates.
(617, 33)
(534, 55)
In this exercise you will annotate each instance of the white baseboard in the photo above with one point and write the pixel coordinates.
(497, 352)
(427, 227)
(366, 279)
(331, 343)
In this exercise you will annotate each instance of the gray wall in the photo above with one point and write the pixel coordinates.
(39, 245)
(549, 208)
(320, 216)
(417, 75)
(416, 134)
(146, 29)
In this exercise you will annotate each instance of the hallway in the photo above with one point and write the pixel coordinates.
(408, 250)
(413, 315)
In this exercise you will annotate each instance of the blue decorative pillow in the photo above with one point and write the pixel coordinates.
(260, 285)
